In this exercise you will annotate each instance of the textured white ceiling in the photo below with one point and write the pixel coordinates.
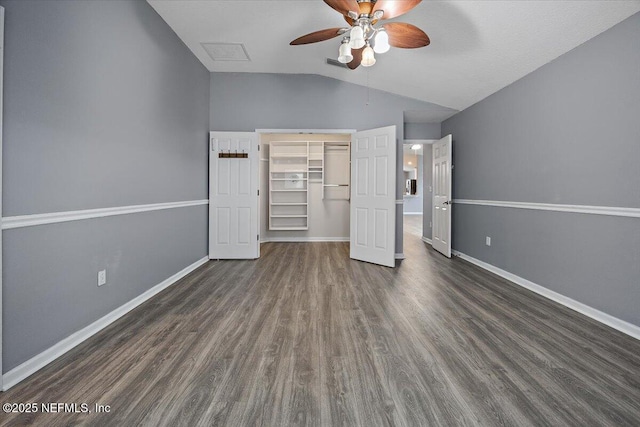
(477, 47)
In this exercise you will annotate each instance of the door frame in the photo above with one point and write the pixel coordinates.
(426, 180)
(303, 131)
(260, 132)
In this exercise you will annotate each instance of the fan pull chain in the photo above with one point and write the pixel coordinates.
(368, 89)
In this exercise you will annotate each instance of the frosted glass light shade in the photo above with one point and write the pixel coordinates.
(368, 58)
(345, 53)
(381, 42)
(356, 37)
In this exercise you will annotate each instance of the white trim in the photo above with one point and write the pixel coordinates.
(304, 239)
(411, 213)
(619, 324)
(399, 202)
(39, 361)
(420, 141)
(303, 131)
(584, 209)
(427, 240)
(400, 255)
(55, 217)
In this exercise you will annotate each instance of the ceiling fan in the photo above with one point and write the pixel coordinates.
(364, 36)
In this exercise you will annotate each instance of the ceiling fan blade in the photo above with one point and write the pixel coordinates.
(406, 36)
(317, 36)
(357, 58)
(394, 8)
(343, 6)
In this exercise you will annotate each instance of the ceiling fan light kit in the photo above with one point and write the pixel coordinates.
(344, 54)
(368, 58)
(381, 41)
(356, 37)
(364, 37)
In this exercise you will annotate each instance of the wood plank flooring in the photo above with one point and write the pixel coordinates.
(306, 336)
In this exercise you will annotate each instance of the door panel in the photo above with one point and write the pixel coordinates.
(233, 196)
(373, 210)
(441, 235)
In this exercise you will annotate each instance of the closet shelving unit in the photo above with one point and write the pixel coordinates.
(316, 161)
(293, 166)
(289, 185)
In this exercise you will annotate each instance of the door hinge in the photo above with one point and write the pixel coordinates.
(258, 237)
(258, 192)
(258, 147)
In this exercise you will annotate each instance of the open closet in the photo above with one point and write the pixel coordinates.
(306, 181)
(267, 186)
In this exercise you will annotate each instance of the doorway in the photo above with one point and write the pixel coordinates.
(304, 187)
(357, 169)
(416, 198)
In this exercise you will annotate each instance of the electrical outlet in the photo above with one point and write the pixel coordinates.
(488, 241)
(102, 277)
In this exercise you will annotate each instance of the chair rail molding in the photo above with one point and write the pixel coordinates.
(56, 217)
(582, 209)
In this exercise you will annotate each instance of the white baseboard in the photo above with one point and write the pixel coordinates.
(427, 240)
(39, 361)
(619, 324)
(400, 255)
(303, 239)
(412, 213)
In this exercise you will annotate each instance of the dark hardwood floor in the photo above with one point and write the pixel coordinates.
(306, 336)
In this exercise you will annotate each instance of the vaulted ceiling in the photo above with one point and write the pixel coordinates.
(477, 47)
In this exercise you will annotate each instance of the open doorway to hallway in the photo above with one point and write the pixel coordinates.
(414, 188)
(418, 194)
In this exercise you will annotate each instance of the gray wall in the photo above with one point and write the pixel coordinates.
(422, 130)
(568, 133)
(104, 107)
(245, 102)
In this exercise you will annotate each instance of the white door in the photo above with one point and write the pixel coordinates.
(373, 196)
(233, 195)
(441, 234)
